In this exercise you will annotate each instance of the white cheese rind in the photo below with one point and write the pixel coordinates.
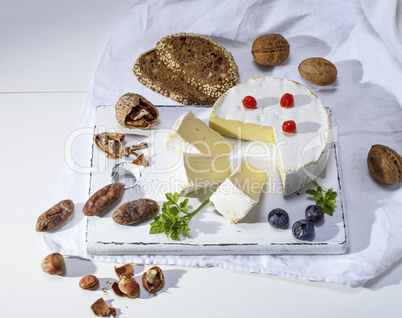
(302, 155)
(240, 192)
(232, 203)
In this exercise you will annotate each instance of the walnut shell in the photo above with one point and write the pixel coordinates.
(111, 143)
(135, 111)
(384, 164)
(270, 49)
(318, 71)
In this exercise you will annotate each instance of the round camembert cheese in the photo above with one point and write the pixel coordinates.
(301, 155)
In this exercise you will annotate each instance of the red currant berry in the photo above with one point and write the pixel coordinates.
(289, 126)
(249, 102)
(287, 100)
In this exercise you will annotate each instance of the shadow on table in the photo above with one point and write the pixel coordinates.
(172, 278)
(392, 276)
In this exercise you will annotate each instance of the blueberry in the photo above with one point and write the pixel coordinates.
(278, 218)
(314, 213)
(303, 230)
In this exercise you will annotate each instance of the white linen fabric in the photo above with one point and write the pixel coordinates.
(362, 38)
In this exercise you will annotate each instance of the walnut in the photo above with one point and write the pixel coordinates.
(270, 49)
(318, 71)
(384, 164)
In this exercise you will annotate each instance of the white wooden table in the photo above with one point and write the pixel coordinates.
(49, 51)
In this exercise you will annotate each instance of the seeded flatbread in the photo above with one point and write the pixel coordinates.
(203, 63)
(154, 74)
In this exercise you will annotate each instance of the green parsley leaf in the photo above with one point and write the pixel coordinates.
(326, 200)
(174, 218)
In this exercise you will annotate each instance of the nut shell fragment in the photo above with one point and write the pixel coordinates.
(140, 160)
(135, 211)
(135, 111)
(153, 279)
(384, 164)
(55, 217)
(101, 309)
(111, 143)
(115, 288)
(54, 264)
(124, 270)
(103, 198)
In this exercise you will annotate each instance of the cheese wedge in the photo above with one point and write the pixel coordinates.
(197, 171)
(190, 134)
(301, 155)
(239, 193)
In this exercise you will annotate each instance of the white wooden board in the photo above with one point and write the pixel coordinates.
(210, 233)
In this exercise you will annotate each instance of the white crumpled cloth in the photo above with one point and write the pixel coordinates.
(362, 38)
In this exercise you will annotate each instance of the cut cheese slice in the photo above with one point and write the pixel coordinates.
(192, 135)
(301, 155)
(197, 171)
(239, 193)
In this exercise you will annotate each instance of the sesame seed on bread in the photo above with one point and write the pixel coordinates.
(203, 63)
(153, 73)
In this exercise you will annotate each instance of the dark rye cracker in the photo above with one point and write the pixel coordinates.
(154, 74)
(203, 63)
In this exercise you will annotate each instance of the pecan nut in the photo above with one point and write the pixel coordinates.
(103, 198)
(135, 211)
(55, 216)
(135, 111)
(110, 143)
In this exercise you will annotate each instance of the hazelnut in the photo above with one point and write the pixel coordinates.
(54, 264)
(270, 49)
(153, 279)
(129, 286)
(89, 282)
(384, 164)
